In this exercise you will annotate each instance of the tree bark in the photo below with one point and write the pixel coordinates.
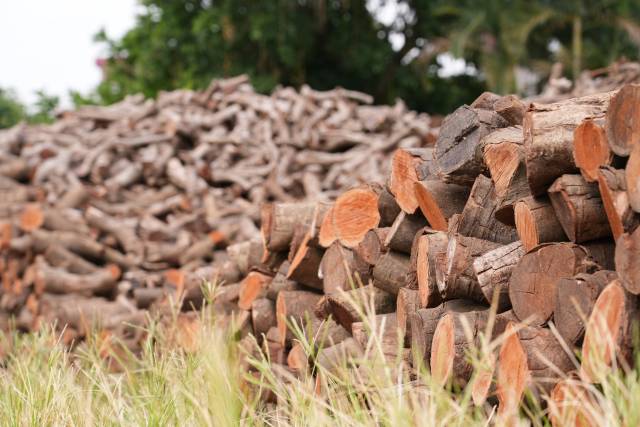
(493, 270)
(279, 221)
(536, 222)
(591, 149)
(627, 256)
(294, 307)
(390, 273)
(613, 191)
(344, 313)
(428, 247)
(622, 124)
(342, 268)
(401, 234)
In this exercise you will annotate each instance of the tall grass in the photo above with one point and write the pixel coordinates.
(42, 383)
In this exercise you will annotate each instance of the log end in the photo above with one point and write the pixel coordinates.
(32, 217)
(443, 350)
(513, 372)
(590, 149)
(429, 207)
(403, 176)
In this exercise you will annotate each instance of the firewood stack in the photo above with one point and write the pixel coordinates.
(533, 208)
(113, 210)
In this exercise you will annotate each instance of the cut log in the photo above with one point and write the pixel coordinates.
(438, 201)
(627, 254)
(263, 316)
(536, 222)
(403, 176)
(511, 108)
(548, 137)
(623, 120)
(458, 150)
(534, 281)
(613, 191)
(294, 307)
(32, 217)
(572, 403)
(603, 252)
(383, 328)
(58, 256)
(591, 149)
(609, 333)
(486, 101)
(351, 217)
(575, 299)
(342, 268)
(388, 208)
(325, 333)
(513, 374)
(424, 321)
(281, 283)
(370, 249)
(305, 264)
(579, 208)
(401, 234)
(345, 308)
(632, 178)
(407, 304)
(504, 155)
(58, 281)
(279, 221)
(252, 287)
(493, 271)
(478, 216)
(460, 279)
(390, 273)
(333, 359)
(246, 255)
(427, 247)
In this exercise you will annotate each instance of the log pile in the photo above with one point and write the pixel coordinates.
(519, 217)
(113, 211)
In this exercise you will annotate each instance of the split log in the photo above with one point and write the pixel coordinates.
(622, 124)
(305, 264)
(534, 281)
(370, 249)
(428, 246)
(460, 279)
(458, 150)
(511, 108)
(424, 321)
(591, 149)
(548, 137)
(632, 178)
(493, 270)
(390, 273)
(401, 234)
(342, 268)
(279, 221)
(263, 316)
(401, 179)
(575, 299)
(478, 216)
(627, 254)
(294, 307)
(609, 333)
(345, 308)
(438, 201)
(408, 303)
(351, 217)
(613, 191)
(579, 208)
(537, 223)
(252, 287)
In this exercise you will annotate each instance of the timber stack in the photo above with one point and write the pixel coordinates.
(519, 217)
(111, 211)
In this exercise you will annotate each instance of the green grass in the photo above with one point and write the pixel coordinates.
(42, 384)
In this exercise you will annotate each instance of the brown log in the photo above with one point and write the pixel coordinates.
(603, 252)
(388, 208)
(548, 137)
(401, 234)
(305, 264)
(438, 201)
(424, 321)
(246, 255)
(579, 208)
(622, 125)
(370, 249)
(428, 246)
(58, 281)
(333, 358)
(125, 234)
(537, 223)
(575, 299)
(325, 333)
(294, 307)
(408, 303)
(478, 217)
(251, 288)
(351, 217)
(383, 328)
(279, 221)
(281, 283)
(458, 150)
(534, 281)
(486, 101)
(460, 279)
(591, 149)
(273, 346)
(493, 270)
(613, 191)
(390, 273)
(342, 268)
(627, 254)
(341, 306)
(572, 403)
(511, 108)
(59, 256)
(203, 248)
(32, 217)
(609, 332)
(298, 359)
(632, 178)
(263, 315)
(402, 178)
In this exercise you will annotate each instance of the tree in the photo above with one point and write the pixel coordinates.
(11, 110)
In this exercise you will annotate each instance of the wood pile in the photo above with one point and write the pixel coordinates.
(519, 217)
(114, 210)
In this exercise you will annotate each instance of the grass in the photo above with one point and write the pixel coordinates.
(44, 384)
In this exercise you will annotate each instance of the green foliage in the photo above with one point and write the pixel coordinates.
(11, 110)
(45, 107)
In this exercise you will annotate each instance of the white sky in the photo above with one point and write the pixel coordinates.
(48, 44)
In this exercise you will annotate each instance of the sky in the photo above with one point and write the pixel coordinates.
(48, 44)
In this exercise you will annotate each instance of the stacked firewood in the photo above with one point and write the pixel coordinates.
(112, 210)
(529, 209)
